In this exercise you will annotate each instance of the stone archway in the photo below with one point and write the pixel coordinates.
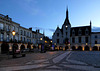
(73, 48)
(4, 48)
(22, 47)
(95, 48)
(79, 48)
(87, 48)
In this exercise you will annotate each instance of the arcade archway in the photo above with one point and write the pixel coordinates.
(95, 48)
(79, 48)
(4, 48)
(73, 48)
(87, 48)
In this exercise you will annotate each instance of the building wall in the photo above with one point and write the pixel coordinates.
(55, 37)
(95, 37)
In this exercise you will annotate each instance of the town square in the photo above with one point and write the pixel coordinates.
(49, 35)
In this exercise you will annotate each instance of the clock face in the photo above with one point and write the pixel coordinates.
(66, 26)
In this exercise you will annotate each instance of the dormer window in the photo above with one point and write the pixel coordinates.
(73, 32)
(79, 32)
(86, 31)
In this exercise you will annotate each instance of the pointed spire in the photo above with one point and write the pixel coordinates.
(43, 32)
(90, 23)
(67, 13)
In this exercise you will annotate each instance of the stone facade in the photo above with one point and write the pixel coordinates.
(23, 35)
(79, 38)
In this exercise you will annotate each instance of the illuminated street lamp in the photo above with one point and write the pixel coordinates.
(13, 33)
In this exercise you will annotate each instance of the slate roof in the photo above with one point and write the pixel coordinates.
(82, 28)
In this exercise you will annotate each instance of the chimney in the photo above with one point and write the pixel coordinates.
(38, 30)
(30, 28)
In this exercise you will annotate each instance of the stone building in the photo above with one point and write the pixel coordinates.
(23, 35)
(78, 38)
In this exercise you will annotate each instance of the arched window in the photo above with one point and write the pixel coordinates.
(86, 31)
(73, 32)
(79, 32)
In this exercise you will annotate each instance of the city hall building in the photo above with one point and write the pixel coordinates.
(75, 38)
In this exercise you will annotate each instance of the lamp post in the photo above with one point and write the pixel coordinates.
(41, 44)
(13, 33)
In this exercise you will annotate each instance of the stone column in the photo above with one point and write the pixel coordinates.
(19, 46)
(10, 46)
(83, 48)
(26, 46)
(98, 48)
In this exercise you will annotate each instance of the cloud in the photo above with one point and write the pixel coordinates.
(52, 30)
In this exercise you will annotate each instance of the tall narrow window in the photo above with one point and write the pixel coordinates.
(73, 40)
(79, 32)
(2, 37)
(95, 42)
(86, 39)
(73, 32)
(24, 39)
(13, 27)
(58, 41)
(79, 39)
(21, 32)
(7, 27)
(24, 33)
(1, 26)
(7, 38)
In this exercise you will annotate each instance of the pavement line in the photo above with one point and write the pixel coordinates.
(60, 57)
(22, 67)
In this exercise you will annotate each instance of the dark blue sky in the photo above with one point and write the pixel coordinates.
(47, 14)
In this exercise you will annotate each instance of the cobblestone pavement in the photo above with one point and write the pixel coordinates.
(92, 58)
(49, 61)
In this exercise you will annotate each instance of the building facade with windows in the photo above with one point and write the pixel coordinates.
(78, 38)
(22, 36)
(6, 28)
